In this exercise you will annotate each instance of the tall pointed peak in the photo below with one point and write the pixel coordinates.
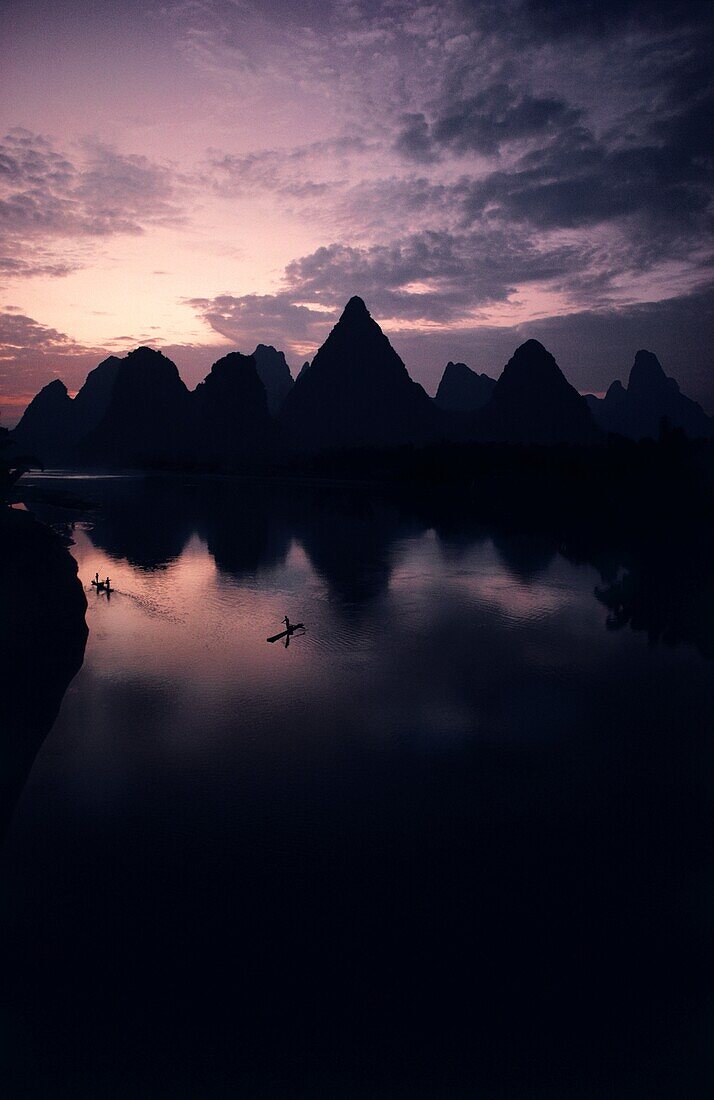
(646, 372)
(355, 308)
(532, 361)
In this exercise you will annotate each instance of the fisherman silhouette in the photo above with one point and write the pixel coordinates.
(290, 629)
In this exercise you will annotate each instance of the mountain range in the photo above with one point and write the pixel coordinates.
(637, 410)
(355, 393)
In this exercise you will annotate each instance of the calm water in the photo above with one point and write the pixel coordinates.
(453, 841)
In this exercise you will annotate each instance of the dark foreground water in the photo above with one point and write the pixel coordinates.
(455, 841)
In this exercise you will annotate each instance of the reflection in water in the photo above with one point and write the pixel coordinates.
(453, 842)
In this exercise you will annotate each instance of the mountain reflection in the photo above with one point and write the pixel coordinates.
(351, 537)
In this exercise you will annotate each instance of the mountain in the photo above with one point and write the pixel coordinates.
(147, 418)
(304, 367)
(357, 392)
(638, 410)
(92, 401)
(462, 389)
(532, 402)
(47, 424)
(230, 414)
(274, 373)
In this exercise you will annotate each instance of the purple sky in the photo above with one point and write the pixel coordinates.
(210, 174)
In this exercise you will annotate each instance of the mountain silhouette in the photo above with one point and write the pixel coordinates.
(303, 368)
(46, 426)
(650, 397)
(532, 402)
(230, 411)
(462, 389)
(147, 418)
(53, 422)
(357, 392)
(92, 401)
(274, 373)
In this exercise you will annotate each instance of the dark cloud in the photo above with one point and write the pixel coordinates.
(45, 195)
(482, 123)
(617, 133)
(558, 19)
(430, 275)
(577, 181)
(262, 318)
(415, 141)
(20, 332)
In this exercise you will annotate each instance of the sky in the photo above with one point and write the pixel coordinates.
(205, 175)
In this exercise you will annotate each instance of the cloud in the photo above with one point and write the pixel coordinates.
(592, 19)
(429, 275)
(577, 181)
(483, 123)
(32, 354)
(424, 278)
(251, 319)
(45, 197)
(414, 141)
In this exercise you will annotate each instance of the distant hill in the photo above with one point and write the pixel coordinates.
(357, 392)
(462, 389)
(274, 373)
(532, 402)
(637, 411)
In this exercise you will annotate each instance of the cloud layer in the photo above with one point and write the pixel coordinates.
(475, 170)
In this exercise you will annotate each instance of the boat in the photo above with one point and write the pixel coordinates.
(288, 632)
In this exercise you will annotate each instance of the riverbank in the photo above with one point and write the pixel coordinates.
(43, 634)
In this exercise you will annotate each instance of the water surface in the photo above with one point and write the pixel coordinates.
(452, 841)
